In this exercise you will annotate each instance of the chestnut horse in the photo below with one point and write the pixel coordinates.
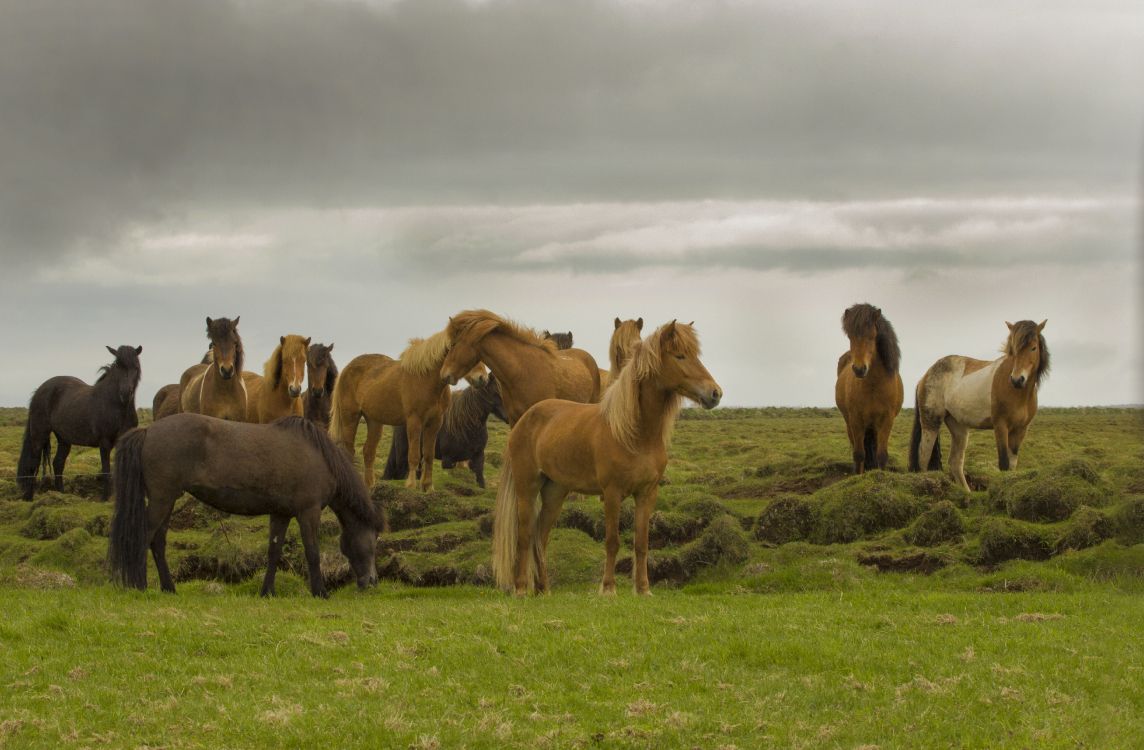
(625, 337)
(970, 393)
(289, 469)
(166, 402)
(278, 392)
(321, 374)
(386, 391)
(869, 387)
(527, 367)
(614, 449)
(215, 387)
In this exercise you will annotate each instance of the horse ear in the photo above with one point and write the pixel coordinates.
(1041, 327)
(113, 352)
(307, 341)
(1009, 324)
(691, 324)
(668, 332)
(236, 317)
(281, 340)
(209, 321)
(330, 348)
(639, 324)
(617, 322)
(138, 350)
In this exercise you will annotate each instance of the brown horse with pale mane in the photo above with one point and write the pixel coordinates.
(211, 387)
(869, 387)
(614, 449)
(625, 338)
(527, 367)
(277, 392)
(386, 391)
(969, 393)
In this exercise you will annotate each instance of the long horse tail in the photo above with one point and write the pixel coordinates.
(127, 544)
(915, 463)
(504, 532)
(870, 448)
(335, 428)
(33, 456)
(397, 465)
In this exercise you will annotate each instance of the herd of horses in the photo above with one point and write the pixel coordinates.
(266, 444)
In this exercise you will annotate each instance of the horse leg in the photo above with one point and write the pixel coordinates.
(645, 506)
(308, 521)
(278, 526)
(105, 467)
(159, 507)
(883, 440)
(612, 500)
(855, 430)
(477, 465)
(958, 440)
(429, 440)
(551, 499)
(1001, 434)
(527, 488)
(62, 451)
(413, 430)
(159, 552)
(1016, 437)
(373, 432)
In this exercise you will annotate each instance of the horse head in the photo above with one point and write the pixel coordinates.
(226, 346)
(680, 369)
(127, 361)
(319, 368)
(291, 365)
(1026, 348)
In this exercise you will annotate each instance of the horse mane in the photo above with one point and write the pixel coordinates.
(620, 405)
(620, 348)
(467, 410)
(1023, 333)
(424, 356)
(350, 492)
(221, 328)
(857, 322)
(331, 375)
(476, 324)
(272, 370)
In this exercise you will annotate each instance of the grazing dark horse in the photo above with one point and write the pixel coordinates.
(463, 434)
(287, 469)
(79, 414)
(614, 449)
(869, 387)
(969, 393)
(322, 375)
(562, 340)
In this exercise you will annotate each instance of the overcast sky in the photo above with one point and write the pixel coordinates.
(357, 171)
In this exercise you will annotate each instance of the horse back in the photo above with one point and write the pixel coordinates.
(577, 377)
(960, 387)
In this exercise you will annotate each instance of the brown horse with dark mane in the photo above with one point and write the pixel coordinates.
(869, 387)
(79, 414)
(322, 375)
(278, 392)
(386, 391)
(614, 449)
(968, 393)
(563, 340)
(289, 469)
(527, 367)
(215, 387)
(166, 402)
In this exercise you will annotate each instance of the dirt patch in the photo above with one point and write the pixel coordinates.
(904, 561)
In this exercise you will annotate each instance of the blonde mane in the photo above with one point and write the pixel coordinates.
(620, 405)
(272, 369)
(424, 356)
(476, 324)
(622, 345)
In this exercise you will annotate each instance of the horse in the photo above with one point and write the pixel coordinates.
(869, 390)
(166, 402)
(527, 367)
(277, 392)
(211, 387)
(969, 393)
(463, 434)
(288, 469)
(614, 449)
(562, 340)
(625, 336)
(79, 414)
(321, 374)
(386, 391)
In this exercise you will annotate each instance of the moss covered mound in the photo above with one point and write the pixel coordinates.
(1003, 539)
(866, 505)
(1128, 520)
(789, 518)
(722, 543)
(1087, 528)
(410, 509)
(940, 524)
(1051, 494)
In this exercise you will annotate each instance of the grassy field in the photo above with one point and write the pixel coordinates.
(794, 606)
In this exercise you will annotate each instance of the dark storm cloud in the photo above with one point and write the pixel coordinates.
(131, 113)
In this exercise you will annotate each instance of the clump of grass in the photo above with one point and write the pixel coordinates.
(51, 522)
(789, 518)
(1088, 527)
(863, 506)
(587, 515)
(1002, 539)
(1128, 520)
(408, 509)
(1049, 495)
(228, 555)
(722, 543)
(940, 524)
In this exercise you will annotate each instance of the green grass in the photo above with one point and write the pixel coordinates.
(795, 606)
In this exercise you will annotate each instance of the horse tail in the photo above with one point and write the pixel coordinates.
(504, 532)
(335, 428)
(127, 543)
(870, 447)
(915, 463)
(397, 465)
(33, 455)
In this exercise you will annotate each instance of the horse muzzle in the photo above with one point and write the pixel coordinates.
(317, 392)
(860, 372)
(449, 378)
(295, 391)
(709, 398)
(1018, 382)
(226, 372)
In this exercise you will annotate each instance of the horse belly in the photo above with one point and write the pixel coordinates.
(970, 400)
(242, 501)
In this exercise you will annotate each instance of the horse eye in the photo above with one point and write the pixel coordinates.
(1033, 349)
(680, 356)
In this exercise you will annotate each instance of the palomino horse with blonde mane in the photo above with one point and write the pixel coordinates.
(970, 393)
(614, 449)
(527, 367)
(625, 337)
(278, 392)
(386, 391)
(869, 387)
(211, 387)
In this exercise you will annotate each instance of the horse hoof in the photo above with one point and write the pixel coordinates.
(607, 591)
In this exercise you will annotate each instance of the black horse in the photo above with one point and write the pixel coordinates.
(321, 374)
(463, 433)
(287, 469)
(79, 414)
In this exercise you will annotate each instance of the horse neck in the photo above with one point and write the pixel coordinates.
(511, 361)
(655, 404)
(107, 387)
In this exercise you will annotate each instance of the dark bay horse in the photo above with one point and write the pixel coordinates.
(968, 393)
(614, 449)
(563, 340)
(215, 387)
(868, 390)
(79, 414)
(288, 469)
(321, 375)
(463, 435)
(527, 367)
(166, 401)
